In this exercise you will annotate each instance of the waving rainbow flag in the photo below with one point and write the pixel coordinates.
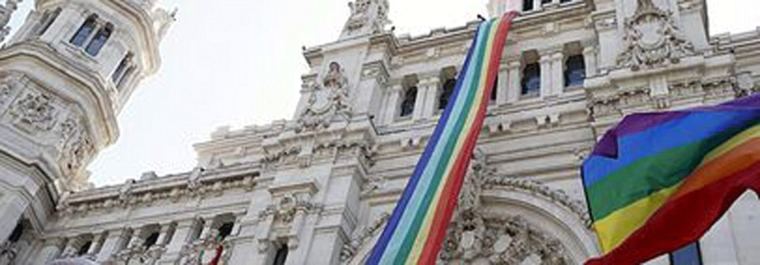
(658, 181)
(416, 229)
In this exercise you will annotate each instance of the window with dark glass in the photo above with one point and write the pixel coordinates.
(225, 230)
(689, 255)
(281, 255)
(495, 90)
(575, 71)
(407, 105)
(99, 40)
(565, 1)
(531, 80)
(543, 2)
(16, 234)
(448, 89)
(151, 240)
(121, 68)
(84, 31)
(527, 5)
(126, 75)
(84, 248)
(47, 19)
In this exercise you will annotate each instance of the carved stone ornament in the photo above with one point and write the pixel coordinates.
(5, 16)
(652, 38)
(34, 112)
(8, 252)
(137, 253)
(362, 17)
(327, 100)
(76, 147)
(204, 250)
(287, 207)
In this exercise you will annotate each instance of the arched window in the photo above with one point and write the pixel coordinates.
(84, 31)
(47, 19)
(448, 89)
(575, 71)
(281, 255)
(531, 80)
(99, 40)
(120, 70)
(407, 105)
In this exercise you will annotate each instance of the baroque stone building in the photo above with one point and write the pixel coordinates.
(318, 188)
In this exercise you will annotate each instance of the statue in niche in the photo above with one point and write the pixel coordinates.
(328, 99)
(652, 38)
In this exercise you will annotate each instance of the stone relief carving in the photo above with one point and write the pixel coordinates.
(286, 208)
(76, 147)
(137, 253)
(362, 17)
(652, 38)
(34, 112)
(285, 219)
(127, 197)
(474, 237)
(8, 87)
(8, 252)
(361, 236)
(5, 16)
(204, 250)
(500, 240)
(327, 100)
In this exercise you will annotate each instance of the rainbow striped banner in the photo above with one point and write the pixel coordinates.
(417, 227)
(658, 181)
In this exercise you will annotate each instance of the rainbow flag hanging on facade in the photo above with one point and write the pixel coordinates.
(658, 181)
(416, 229)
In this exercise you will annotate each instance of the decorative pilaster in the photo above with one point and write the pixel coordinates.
(589, 57)
(391, 108)
(513, 89)
(546, 77)
(557, 73)
(97, 244)
(432, 85)
(503, 82)
(419, 103)
(115, 240)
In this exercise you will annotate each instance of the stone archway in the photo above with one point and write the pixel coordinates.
(504, 220)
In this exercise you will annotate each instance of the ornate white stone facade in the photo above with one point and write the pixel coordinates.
(318, 188)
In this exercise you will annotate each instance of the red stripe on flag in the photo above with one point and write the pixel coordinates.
(682, 220)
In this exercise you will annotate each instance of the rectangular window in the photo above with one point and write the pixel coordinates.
(689, 255)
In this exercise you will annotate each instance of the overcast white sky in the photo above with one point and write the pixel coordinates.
(238, 62)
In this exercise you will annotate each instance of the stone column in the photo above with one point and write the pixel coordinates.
(97, 244)
(136, 237)
(208, 222)
(546, 75)
(114, 242)
(11, 210)
(433, 85)
(589, 58)
(537, 5)
(163, 234)
(419, 103)
(70, 249)
(391, 108)
(502, 88)
(183, 233)
(513, 89)
(557, 73)
(51, 249)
